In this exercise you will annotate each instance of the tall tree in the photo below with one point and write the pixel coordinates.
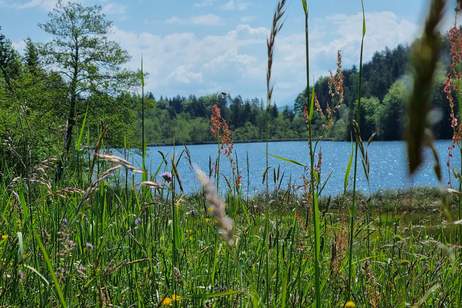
(9, 61)
(31, 56)
(84, 56)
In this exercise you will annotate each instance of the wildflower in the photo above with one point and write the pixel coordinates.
(168, 301)
(4, 237)
(167, 176)
(452, 85)
(350, 304)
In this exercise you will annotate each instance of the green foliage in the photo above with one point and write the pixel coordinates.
(86, 59)
(391, 115)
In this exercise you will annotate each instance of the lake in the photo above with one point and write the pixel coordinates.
(388, 165)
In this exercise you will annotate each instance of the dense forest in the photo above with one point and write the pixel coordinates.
(35, 94)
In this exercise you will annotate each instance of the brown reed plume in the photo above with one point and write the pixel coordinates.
(336, 91)
(220, 131)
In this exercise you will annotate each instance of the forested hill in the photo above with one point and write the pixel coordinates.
(384, 89)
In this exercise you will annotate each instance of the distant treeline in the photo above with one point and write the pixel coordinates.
(385, 89)
(47, 104)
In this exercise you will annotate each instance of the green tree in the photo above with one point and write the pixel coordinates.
(9, 61)
(392, 114)
(84, 56)
(31, 57)
(370, 109)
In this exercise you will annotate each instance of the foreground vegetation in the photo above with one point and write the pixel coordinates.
(78, 226)
(127, 247)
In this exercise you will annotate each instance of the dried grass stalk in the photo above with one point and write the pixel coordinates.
(118, 161)
(217, 207)
(275, 29)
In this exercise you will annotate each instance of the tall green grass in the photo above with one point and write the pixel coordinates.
(314, 177)
(357, 135)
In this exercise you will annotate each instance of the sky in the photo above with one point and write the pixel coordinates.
(207, 46)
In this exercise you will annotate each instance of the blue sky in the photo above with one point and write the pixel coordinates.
(205, 46)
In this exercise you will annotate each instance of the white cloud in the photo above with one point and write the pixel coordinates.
(185, 63)
(45, 4)
(247, 19)
(235, 5)
(202, 20)
(235, 61)
(204, 3)
(207, 20)
(19, 46)
(109, 8)
(112, 8)
(332, 33)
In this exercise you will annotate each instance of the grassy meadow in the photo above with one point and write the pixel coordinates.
(133, 248)
(77, 229)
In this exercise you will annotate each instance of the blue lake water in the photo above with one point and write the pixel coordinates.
(388, 165)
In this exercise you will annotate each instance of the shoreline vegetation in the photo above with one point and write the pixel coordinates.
(76, 231)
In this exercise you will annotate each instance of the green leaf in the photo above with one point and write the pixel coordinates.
(51, 271)
(288, 160)
(305, 6)
(311, 113)
(37, 273)
(347, 172)
(78, 143)
(317, 226)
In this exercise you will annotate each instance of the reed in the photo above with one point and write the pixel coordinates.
(276, 27)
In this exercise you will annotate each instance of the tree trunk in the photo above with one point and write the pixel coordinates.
(67, 138)
(71, 117)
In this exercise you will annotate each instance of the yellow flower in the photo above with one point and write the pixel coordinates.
(350, 304)
(4, 237)
(167, 301)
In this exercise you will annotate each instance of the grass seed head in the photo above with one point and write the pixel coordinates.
(217, 207)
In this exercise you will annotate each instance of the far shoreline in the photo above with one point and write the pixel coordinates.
(264, 141)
